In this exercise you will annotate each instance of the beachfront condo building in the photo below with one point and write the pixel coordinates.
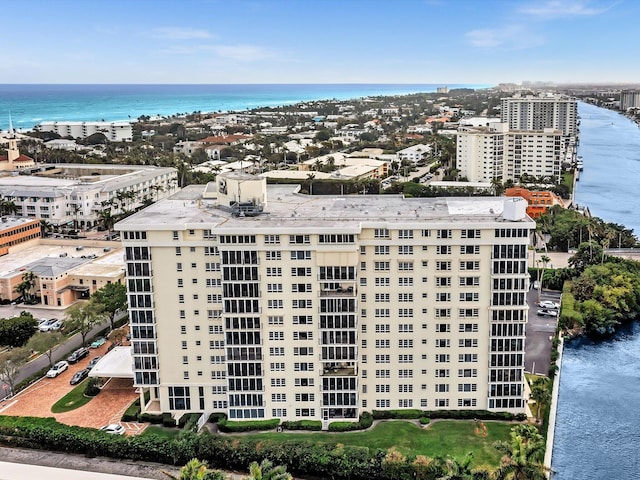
(113, 131)
(538, 112)
(495, 152)
(629, 99)
(260, 302)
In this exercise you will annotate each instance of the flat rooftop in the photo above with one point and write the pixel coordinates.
(13, 262)
(286, 207)
(12, 222)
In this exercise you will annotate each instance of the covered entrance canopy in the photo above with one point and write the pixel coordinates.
(115, 364)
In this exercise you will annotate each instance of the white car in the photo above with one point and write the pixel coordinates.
(57, 369)
(46, 325)
(536, 285)
(548, 313)
(548, 304)
(113, 429)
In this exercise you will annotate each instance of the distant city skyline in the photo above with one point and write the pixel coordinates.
(323, 41)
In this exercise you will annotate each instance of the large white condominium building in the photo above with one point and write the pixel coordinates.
(542, 111)
(78, 194)
(629, 99)
(114, 131)
(298, 307)
(495, 152)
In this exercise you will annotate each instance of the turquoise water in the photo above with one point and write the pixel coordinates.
(31, 104)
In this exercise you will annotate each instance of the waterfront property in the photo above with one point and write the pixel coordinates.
(260, 302)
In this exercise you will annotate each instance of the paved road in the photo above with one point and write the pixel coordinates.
(60, 353)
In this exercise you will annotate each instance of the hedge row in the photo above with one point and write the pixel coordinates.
(365, 421)
(302, 425)
(247, 426)
(451, 414)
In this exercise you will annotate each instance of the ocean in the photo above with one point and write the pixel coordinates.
(31, 104)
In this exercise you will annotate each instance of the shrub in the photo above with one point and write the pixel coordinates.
(150, 418)
(168, 420)
(453, 414)
(247, 426)
(302, 425)
(365, 421)
(216, 417)
(93, 387)
(188, 421)
(425, 420)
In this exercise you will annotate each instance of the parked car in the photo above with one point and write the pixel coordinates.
(57, 369)
(93, 362)
(56, 326)
(536, 285)
(46, 325)
(98, 342)
(548, 304)
(78, 355)
(548, 313)
(113, 429)
(79, 376)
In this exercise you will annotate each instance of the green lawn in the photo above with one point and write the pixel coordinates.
(72, 400)
(162, 432)
(442, 438)
(567, 179)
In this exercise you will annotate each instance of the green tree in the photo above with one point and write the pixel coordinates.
(25, 287)
(106, 220)
(16, 331)
(523, 455)
(197, 470)
(45, 343)
(113, 298)
(83, 317)
(267, 471)
(11, 362)
(323, 135)
(454, 469)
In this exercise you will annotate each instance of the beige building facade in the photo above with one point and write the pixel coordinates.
(263, 303)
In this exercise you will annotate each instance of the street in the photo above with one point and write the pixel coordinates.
(60, 353)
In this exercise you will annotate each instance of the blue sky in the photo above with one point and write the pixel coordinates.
(319, 41)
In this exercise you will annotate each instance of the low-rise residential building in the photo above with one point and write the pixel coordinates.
(538, 201)
(76, 194)
(113, 131)
(414, 153)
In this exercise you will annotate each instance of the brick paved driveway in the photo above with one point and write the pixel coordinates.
(105, 408)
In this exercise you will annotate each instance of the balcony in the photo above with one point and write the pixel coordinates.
(337, 370)
(340, 291)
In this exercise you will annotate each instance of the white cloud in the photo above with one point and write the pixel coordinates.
(178, 33)
(514, 37)
(558, 8)
(240, 53)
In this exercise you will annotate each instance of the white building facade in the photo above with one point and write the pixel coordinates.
(629, 99)
(81, 192)
(539, 112)
(496, 152)
(326, 307)
(113, 131)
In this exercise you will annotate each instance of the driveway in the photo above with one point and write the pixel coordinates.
(107, 407)
(539, 334)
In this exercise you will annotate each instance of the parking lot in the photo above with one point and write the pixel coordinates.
(539, 333)
(107, 407)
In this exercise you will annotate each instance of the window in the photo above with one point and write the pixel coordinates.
(274, 255)
(274, 271)
(381, 233)
(180, 397)
(405, 234)
(405, 328)
(444, 233)
(405, 281)
(275, 303)
(274, 287)
(443, 265)
(405, 266)
(470, 249)
(443, 281)
(272, 239)
(381, 250)
(381, 266)
(405, 250)
(179, 267)
(382, 313)
(383, 297)
(470, 233)
(301, 255)
(383, 327)
(405, 343)
(443, 249)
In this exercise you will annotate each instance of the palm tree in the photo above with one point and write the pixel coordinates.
(45, 226)
(107, 220)
(541, 395)
(523, 456)
(267, 471)
(8, 207)
(197, 470)
(24, 288)
(457, 470)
